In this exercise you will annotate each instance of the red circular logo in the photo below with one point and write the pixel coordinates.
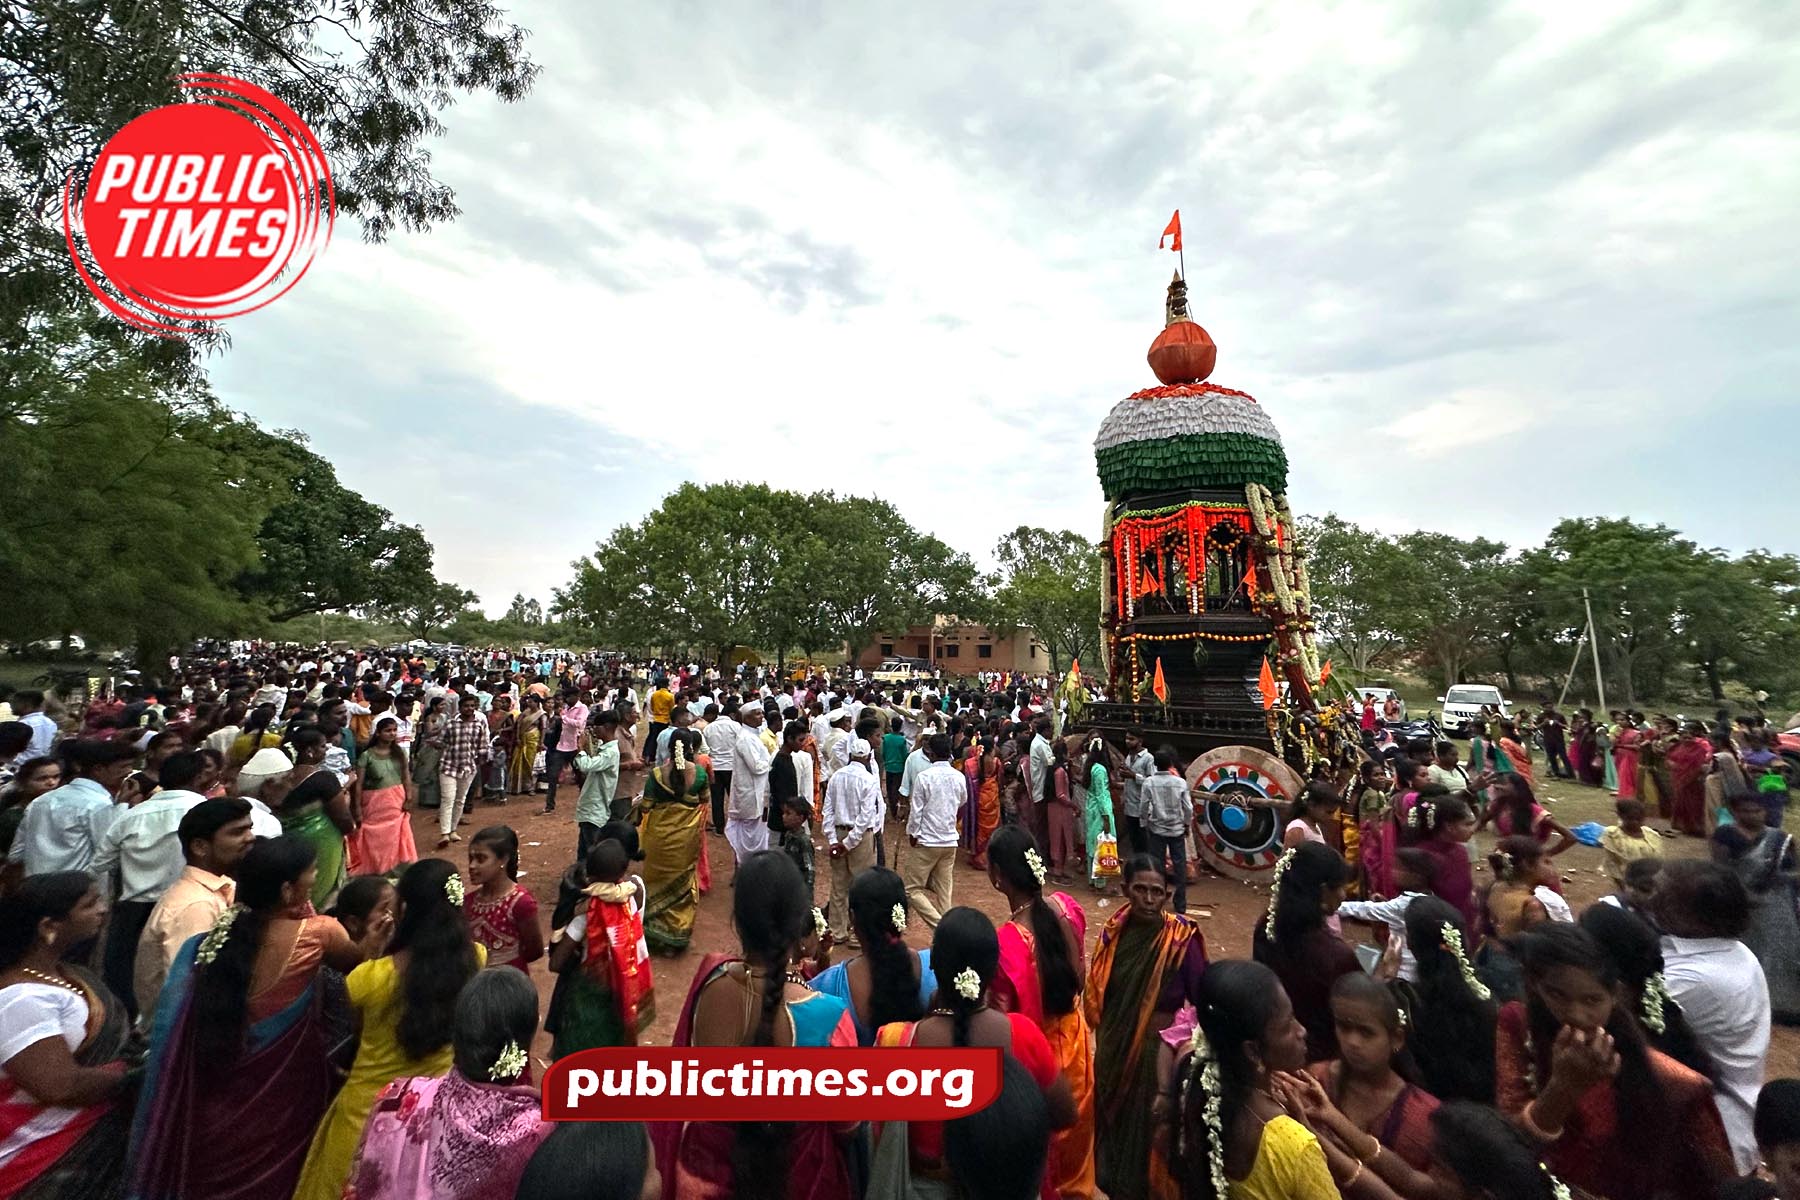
(200, 211)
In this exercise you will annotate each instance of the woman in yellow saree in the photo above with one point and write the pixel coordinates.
(527, 735)
(1040, 977)
(675, 800)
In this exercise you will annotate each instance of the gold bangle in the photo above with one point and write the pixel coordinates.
(1374, 1154)
(1354, 1176)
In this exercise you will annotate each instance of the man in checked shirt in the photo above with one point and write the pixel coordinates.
(464, 745)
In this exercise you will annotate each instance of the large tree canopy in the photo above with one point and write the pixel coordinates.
(370, 79)
(1049, 582)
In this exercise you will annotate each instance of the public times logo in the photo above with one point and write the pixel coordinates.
(202, 210)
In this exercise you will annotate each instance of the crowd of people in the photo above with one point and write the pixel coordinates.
(227, 970)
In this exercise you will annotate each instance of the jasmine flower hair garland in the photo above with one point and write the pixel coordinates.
(898, 916)
(510, 1064)
(453, 888)
(1035, 861)
(1453, 944)
(1281, 866)
(1656, 994)
(967, 984)
(1209, 1083)
(214, 941)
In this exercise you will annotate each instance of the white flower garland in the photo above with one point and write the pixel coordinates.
(1210, 1114)
(820, 925)
(1453, 942)
(453, 888)
(1558, 1189)
(898, 916)
(1656, 994)
(510, 1064)
(1281, 866)
(1287, 573)
(214, 941)
(1035, 861)
(967, 984)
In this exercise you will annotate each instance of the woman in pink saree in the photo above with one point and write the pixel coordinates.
(470, 1133)
(1041, 976)
(750, 1001)
(1625, 756)
(1688, 759)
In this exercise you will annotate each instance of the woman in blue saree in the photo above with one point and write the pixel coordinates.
(238, 1034)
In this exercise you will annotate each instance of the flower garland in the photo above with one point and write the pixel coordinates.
(1143, 513)
(1271, 517)
(214, 941)
(967, 984)
(453, 888)
(1210, 1115)
(510, 1064)
(1035, 861)
(1558, 1189)
(1453, 944)
(820, 925)
(1281, 866)
(897, 915)
(1656, 994)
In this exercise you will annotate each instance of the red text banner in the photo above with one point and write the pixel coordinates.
(770, 1083)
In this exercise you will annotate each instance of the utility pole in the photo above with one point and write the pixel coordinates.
(1593, 637)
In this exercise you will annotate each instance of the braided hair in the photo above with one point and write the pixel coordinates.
(1236, 1004)
(222, 986)
(894, 986)
(772, 910)
(1058, 977)
(1450, 1026)
(965, 941)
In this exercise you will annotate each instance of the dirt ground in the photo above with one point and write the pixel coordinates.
(1227, 908)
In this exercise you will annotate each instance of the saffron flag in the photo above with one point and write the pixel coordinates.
(1265, 684)
(1325, 672)
(1172, 230)
(1159, 686)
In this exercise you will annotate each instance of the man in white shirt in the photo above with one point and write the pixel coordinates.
(745, 826)
(852, 820)
(719, 736)
(916, 762)
(938, 794)
(28, 706)
(1704, 909)
(142, 849)
(62, 829)
(1034, 815)
(834, 751)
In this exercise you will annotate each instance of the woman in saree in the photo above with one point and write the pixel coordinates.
(987, 802)
(1654, 786)
(1040, 977)
(1605, 733)
(383, 796)
(528, 734)
(1097, 814)
(469, 1134)
(1627, 743)
(909, 1155)
(427, 750)
(1765, 861)
(1513, 747)
(751, 1000)
(676, 796)
(317, 811)
(889, 981)
(1149, 962)
(237, 1031)
(1574, 1072)
(1584, 748)
(1689, 757)
(64, 1113)
(405, 1001)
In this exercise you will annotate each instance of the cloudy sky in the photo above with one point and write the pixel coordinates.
(1486, 264)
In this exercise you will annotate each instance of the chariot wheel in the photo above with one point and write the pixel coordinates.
(1240, 796)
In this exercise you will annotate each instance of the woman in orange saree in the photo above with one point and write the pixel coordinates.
(1688, 760)
(1040, 977)
(1148, 964)
(1625, 757)
(987, 804)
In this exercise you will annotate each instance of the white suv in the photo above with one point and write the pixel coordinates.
(1463, 703)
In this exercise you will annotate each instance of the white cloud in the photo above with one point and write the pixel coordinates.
(915, 258)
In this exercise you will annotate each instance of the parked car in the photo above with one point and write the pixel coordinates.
(1464, 702)
(1381, 695)
(901, 670)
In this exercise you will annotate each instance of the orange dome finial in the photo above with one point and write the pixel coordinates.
(1183, 352)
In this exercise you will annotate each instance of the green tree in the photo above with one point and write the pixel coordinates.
(1049, 583)
(371, 80)
(1738, 615)
(433, 610)
(1446, 598)
(1355, 574)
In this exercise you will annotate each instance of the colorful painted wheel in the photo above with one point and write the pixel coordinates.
(1241, 795)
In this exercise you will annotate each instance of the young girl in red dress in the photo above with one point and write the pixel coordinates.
(502, 915)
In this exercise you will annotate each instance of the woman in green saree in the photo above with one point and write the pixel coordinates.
(317, 811)
(674, 816)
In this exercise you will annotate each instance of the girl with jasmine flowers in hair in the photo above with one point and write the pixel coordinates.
(1295, 942)
(889, 981)
(238, 1031)
(405, 1002)
(1450, 1013)
(470, 1133)
(1237, 1121)
(1636, 951)
(909, 1158)
(1611, 1114)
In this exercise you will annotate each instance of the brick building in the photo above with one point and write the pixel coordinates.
(960, 648)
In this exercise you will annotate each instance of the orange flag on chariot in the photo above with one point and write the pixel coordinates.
(1159, 687)
(1325, 672)
(1265, 683)
(1171, 230)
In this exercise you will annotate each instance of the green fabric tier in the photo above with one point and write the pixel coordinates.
(1197, 460)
